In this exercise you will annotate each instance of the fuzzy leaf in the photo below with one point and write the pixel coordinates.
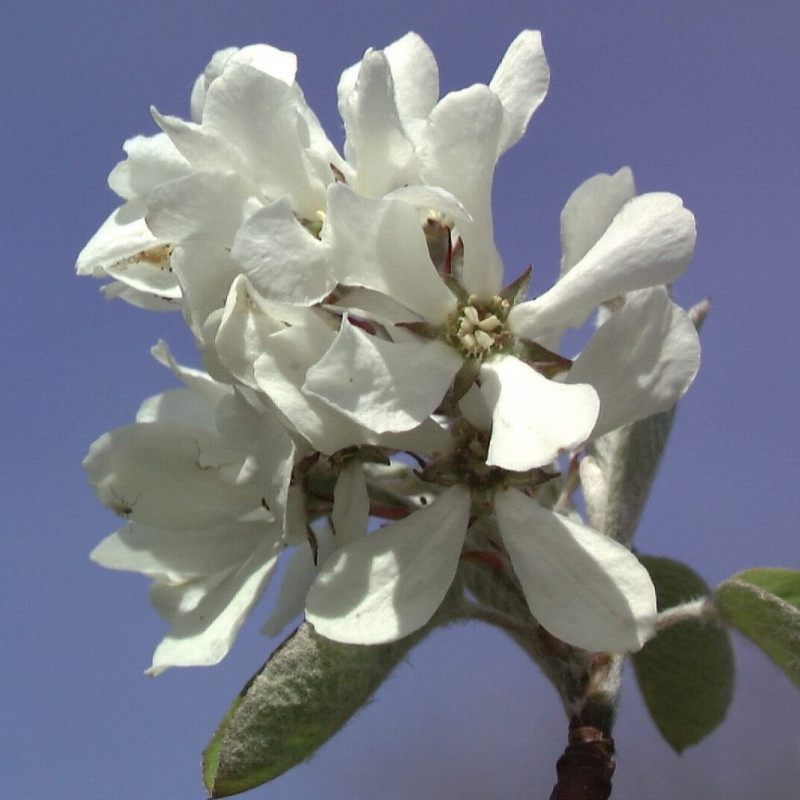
(628, 460)
(303, 695)
(685, 674)
(764, 605)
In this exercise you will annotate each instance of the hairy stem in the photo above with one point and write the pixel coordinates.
(586, 767)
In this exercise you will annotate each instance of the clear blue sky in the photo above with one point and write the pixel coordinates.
(698, 98)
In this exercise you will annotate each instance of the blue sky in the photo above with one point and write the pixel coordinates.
(698, 98)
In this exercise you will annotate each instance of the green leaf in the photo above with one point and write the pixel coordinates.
(539, 357)
(628, 460)
(764, 605)
(303, 695)
(686, 673)
(465, 378)
(516, 290)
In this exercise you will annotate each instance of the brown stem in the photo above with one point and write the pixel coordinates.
(587, 765)
(585, 769)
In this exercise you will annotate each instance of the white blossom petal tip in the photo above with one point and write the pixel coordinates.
(648, 243)
(521, 82)
(589, 211)
(583, 587)
(640, 361)
(534, 420)
(382, 385)
(388, 584)
(283, 261)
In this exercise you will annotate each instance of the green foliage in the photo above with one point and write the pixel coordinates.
(628, 459)
(299, 699)
(685, 674)
(764, 605)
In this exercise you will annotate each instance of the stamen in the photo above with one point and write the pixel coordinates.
(479, 327)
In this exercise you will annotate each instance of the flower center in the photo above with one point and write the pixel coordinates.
(466, 465)
(479, 327)
(471, 450)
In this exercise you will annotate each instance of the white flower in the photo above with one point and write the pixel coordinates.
(350, 312)
(250, 121)
(205, 479)
(271, 347)
(380, 245)
(581, 586)
(193, 477)
(255, 144)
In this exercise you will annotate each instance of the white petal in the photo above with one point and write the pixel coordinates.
(282, 259)
(300, 573)
(151, 160)
(256, 430)
(459, 154)
(589, 211)
(258, 114)
(202, 206)
(280, 372)
(649, 242)
(414, 73)
(205, 272)
(140, 299)
(583, 587)
(203, 633)
(150, 272)
(429, 439)
(640, 361)
(202, 385)
(178, 556)
(379, 384)
(389, 584)
(213, 70)
(122, 235)
(369, 304)
(534, 419)
(153, 473)
(206, 581)
(276, 456)
(431, 198)
(201, 213)
(278, 63)
(126, 249)
(474, 410)
(521, 83)
(177, 405)
(350, 504)
(376, 141)
(244, 331)
(204, 149)
(380, 244)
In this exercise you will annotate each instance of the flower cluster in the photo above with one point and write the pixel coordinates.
(364, 360)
